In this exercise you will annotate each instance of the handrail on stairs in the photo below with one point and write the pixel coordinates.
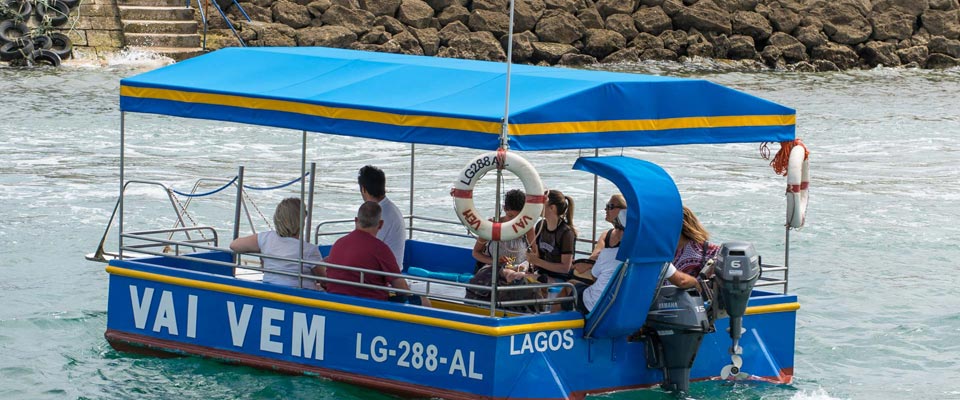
(223, 15)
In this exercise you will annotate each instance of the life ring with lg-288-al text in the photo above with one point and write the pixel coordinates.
(798, 184)
(462, 193)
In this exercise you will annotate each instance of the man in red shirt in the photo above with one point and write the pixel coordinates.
(362, 249)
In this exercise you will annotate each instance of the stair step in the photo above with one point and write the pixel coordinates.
(143, 26)
(162, 40)
(176, 53)
(156, 3)
(140, 13)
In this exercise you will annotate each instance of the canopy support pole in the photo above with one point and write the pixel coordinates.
(786, 261)
(123, 115)
(413, 157)
(596, 179)
(504, 145)
(313, 184)
(236, 213)
(303, 206)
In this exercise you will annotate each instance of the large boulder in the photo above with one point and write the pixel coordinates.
(912, 8)
(475, 46)
(455, 12)
(326, 36)
(791, 49)
(845, 22)
(916, 54)
(576, 60)
(452, 30)
(842, 56)
(942, 23)
(378, 35)
(622, 24)
(317, 8)
(610, 7)
(356, 20)
(782, 19)
(429, 39)
(268, 34)
(733, 6)
(590, 18)
(291, 14)
(675, 41)
(601, 42)
(565, 5)
(491, 21)
(407, 42)
(628, 55)
(522, 46)
(672, 7)
(941, 61)
(751, 24)
(415, 13)
(944, 4)
(381, 7)
(704, 17)
(892, 24)
(551, 52)
(390, 24)
(526, 13)
(659, 54)
(645, 41)
(652, 20)
(811, 36)
(879, 53)
(942, 45)
(492, 5)
(255, 12)
(741, 47)
(559, 27)
(440, 5)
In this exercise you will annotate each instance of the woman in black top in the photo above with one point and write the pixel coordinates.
(556, 238)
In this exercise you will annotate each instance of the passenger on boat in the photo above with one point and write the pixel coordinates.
(283, 242)
(607, 263)
(362, 249)
(514, 251)
(556, 239)
(373, 187)
(691, 256)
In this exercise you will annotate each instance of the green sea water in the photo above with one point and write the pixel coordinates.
(875, 269)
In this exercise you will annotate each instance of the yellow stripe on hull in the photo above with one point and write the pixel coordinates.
(463, 124)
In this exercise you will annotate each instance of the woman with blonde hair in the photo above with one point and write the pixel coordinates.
(693, 249)
(284, 242)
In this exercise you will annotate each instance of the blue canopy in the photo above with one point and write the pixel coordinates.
(414, 99)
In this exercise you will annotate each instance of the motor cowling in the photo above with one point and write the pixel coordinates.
(673, 331)
(736, 272)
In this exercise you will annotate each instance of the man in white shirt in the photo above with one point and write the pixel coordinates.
(373, 184)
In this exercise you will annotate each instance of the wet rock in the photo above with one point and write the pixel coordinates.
(429, 40)
(915, 54)
(610, 7)
(751, 24)
(705, 50)
(601, 42)
(703, 16)
(772, 56)
(291, 14)
(474, 46)
(675, 41)
(452, 30)
(415, 13)
(941, 61)
(494, 22)
(590, 18)
(942, 23)
(790, 47)
(577, 60)
(652, 20)
(892, 24)
(804, 66)
(390, 24)
(842, 56)
(381, 7)
(455, 12)
(559, 27)
(659, 54)
(942, 45)
(944, 4)
(740, 47)
(551, 52)
(879, 53)
(356, 20)
(825, 66)
(522, 46)
(622, 24)
(845, 22)
(326, 36)
(811, 36)
(377, 35)
(628, 55)
(645, 41)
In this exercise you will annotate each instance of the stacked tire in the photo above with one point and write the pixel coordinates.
(41, 45)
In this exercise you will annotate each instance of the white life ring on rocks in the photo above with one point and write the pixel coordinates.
(462, 193)
(798, 181)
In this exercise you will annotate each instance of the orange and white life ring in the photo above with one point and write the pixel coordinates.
(798, 181)
(463, 196)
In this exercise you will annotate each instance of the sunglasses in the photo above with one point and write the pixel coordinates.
(611, 206)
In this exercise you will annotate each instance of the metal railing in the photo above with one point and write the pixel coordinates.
(223, 15)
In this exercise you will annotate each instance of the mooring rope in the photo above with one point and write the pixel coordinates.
(212, 192)
(280, 186)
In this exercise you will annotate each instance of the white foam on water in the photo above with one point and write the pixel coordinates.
(819, 394)
(135, 58)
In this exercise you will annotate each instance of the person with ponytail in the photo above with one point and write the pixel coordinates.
(556, 239)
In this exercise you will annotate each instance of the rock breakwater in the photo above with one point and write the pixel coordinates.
(806, 35)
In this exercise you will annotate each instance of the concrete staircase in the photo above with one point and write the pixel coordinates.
(165, 27)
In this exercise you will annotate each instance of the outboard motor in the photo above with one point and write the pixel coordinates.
(735, 273)
(674, 328)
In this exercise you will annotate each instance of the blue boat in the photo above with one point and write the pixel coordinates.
(193, 302)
